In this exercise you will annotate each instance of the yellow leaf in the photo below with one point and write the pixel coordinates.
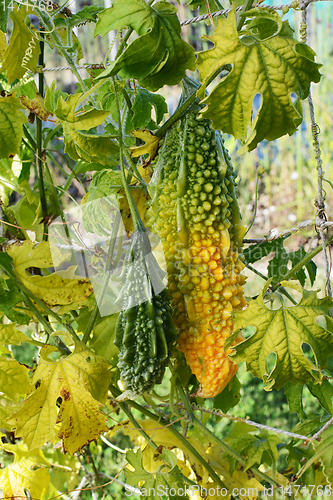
(163, 437)
(3, 44)
(7, 407)
(146, 173)
(36, 106)
(21, 475)
(23, 49)
(52, 289)
(14, 378)
(81, 381)
(9, 334)
(140, 197)
(150, 146)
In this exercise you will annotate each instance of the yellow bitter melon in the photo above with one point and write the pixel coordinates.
(195, 212)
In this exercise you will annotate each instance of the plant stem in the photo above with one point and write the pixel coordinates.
(138, 225)
(56, 40)
(241, 19)
(255, 204)
(51, 134)
(135, 168)
(39, 152)
(58, 342)
(185, 444)
(47, 310)
(232, 452)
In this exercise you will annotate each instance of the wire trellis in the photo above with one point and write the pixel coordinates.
(301, 5)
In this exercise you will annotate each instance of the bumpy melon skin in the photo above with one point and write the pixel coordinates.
(144, 328)
(195, 212)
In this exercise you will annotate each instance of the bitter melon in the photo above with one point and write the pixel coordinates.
(194, 210)
(144, 328)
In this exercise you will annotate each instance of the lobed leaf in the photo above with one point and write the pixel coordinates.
(267, 61)
(14, 379)
(283, 332)
(52, 289)
(81, 381)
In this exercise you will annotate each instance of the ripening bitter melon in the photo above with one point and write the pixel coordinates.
(195, 212)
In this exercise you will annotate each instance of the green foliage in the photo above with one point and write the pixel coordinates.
(158, 56)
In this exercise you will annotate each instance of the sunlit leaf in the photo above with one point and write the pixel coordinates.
(9, 334)
(273, 65)
(158, 56)
(283, 332)
(81, 381)
(52, 289)
(3, 44)
(150, 146)
(23, 49)
(22, 475)
(14, 378)
(11, 125)
(78, 144)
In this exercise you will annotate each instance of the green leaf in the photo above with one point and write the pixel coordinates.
(65, 111)
(52, 95)
(294, 397)
(158, 56)
(167, 476)
(274, 68)
(214, 6)
(11, 125)
(142, 107)
(6, 263)
(4, 15)
(229, 397)
(323, 392)
(88, 13)
(103, 336)
(277, 267)
(282, 333)
(22, 44)
(262, 451)
(81, 145)
(311, 425)
(324, 449)
(256, 252)
(88, 147)
(310, 266)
